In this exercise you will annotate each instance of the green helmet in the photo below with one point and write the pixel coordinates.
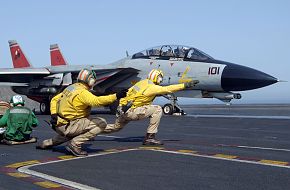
(17, 99)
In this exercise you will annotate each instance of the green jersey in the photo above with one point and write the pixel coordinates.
(19, 122)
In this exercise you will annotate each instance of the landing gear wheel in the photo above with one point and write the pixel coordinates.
(168, 109)
(44, 108)
(173, 107)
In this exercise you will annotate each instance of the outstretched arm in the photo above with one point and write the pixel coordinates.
(94, 101)
(155, 90)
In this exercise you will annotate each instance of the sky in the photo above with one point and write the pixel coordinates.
(250, 33)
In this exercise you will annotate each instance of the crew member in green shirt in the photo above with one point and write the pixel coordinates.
(18, 121)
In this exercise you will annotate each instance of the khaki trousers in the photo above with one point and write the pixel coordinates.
(154, 112)
(78, 131)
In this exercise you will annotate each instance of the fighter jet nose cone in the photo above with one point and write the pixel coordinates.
(239, 78)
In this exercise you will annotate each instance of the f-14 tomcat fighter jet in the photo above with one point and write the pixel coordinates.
(216, 79)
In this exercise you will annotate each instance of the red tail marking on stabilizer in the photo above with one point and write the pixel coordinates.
(19, 59)
(56, 56)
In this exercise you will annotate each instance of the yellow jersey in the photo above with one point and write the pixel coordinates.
(75, 102)
(144, 92)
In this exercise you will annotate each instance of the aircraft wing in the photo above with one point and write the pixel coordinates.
(21, 77)
(27, 71)
(13, 84)
(114, 74)
(64, 76)
(109, 78)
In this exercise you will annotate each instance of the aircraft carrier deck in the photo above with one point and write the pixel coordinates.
(213, 147)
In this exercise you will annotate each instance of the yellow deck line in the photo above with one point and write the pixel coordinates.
(19, 164)
(110, 150)
(187, 151)
(47, 184)
(274, 162)
(18, 175)
(225, 156)
(66, 157)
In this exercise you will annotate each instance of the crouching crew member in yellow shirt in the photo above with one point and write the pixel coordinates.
(140, 97)
(71, 114)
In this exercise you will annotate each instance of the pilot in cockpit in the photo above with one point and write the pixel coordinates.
(154, 52)
(180, 52)
(167, 53)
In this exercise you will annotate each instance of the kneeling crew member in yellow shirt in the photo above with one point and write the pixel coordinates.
(70, 114)
(141, 96)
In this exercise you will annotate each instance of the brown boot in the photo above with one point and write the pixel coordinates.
(76, 150)
(151, 140)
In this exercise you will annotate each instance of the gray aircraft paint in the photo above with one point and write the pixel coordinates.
(44, 82)
(174, 69)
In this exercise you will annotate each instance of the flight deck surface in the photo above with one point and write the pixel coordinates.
(213, 147)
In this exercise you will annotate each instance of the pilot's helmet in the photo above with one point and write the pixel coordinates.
(16, 100)
(87, 76)
(156, 76)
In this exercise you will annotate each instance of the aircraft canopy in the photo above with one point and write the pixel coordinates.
(173, 51)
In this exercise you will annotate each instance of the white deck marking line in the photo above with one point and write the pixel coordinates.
(61, 181)
(240, 116)
(26, 170)
(239, 146)
(220, 158)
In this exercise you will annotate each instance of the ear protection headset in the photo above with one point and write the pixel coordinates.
(91, 80)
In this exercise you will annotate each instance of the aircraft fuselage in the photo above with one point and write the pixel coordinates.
(180, 64)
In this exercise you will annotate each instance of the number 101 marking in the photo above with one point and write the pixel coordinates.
(213, 71)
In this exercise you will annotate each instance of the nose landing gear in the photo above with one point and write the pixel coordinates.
(173, 108)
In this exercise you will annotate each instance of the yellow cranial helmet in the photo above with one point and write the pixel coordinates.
(154, 74)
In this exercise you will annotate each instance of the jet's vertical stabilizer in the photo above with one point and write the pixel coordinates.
(56, 56)
(18, 57)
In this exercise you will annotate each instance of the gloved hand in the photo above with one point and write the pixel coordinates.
(53, 120)
(190, 84)
(122, 93)
(121, 110)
